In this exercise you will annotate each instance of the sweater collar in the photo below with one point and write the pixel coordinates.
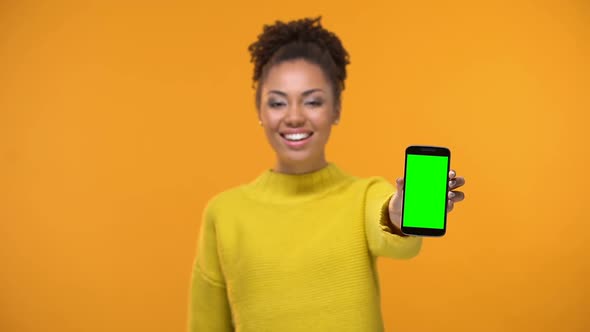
(274, 186)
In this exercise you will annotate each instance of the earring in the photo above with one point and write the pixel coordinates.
(336, 121)
(260, 123)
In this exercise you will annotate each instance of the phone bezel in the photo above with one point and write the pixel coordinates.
(428, 151)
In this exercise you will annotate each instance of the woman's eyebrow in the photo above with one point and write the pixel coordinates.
(305, 93)
(308, 92)
(281, 93)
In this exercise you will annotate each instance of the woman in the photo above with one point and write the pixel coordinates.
(296, 248)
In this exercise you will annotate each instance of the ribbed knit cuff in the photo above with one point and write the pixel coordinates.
(385, 221)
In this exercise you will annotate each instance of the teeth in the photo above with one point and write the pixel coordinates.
(297, 137)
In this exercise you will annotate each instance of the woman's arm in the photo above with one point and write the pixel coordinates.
(209, 309)
(383, 238)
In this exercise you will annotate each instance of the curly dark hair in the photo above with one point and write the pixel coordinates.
(300, 39)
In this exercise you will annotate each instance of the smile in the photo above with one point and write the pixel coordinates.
(296, 137)
(296, 141)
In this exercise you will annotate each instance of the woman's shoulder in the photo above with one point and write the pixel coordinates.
(374, 186)
(224, 198)
(370, 180)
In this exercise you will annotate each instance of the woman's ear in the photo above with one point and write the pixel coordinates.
(258, 116)
(337, 115)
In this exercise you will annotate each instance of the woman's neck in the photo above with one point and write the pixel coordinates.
(299, 167)
(283, 188)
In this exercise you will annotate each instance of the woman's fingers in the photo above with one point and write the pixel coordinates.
(456, 182)
(450, 205)
(453, 195)
(452, 174)
(400, 183)
(456, 196)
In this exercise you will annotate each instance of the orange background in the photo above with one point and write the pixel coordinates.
(118, 121)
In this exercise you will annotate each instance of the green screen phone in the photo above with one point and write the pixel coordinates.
(426, 184)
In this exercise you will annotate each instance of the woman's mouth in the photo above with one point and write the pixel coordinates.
(296, 140)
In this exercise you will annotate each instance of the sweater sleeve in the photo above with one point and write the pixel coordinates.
(380, 239)
(209, 309)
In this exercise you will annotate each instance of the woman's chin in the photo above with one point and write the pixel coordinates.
(300, 156)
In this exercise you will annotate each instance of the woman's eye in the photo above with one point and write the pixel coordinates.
(275, 104)
(314, 103)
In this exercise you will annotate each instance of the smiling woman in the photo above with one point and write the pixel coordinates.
(295, 249)
(300, 69)
(297, 112)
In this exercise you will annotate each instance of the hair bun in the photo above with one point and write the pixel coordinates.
(306, 30)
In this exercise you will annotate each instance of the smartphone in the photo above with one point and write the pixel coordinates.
(426, 184)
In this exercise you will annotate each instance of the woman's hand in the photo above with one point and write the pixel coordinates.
(454, 196)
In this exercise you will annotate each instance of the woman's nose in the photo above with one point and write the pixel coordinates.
(294, 116)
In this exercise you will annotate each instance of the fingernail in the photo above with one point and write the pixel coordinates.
(452, 183)
(451, 194)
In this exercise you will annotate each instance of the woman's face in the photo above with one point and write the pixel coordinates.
(297, 112)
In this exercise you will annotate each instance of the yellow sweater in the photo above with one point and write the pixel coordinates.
(294, 253)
